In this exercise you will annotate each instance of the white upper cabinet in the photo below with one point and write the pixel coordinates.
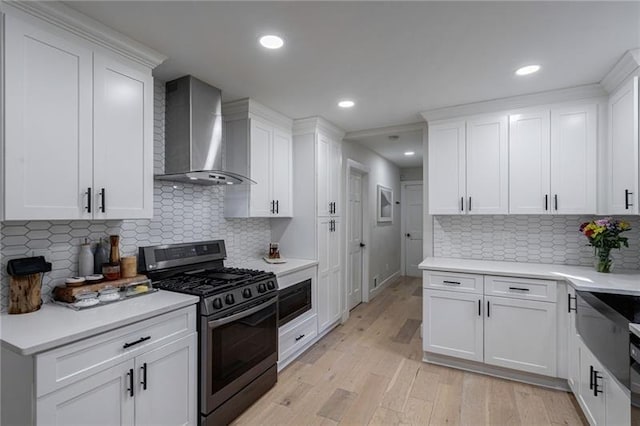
(329, 153)
(79, 123)
(623, 149)
(529, 157)
(258, 145)
(447, 168)
(48, 103)
(573, 159)
(487, 165)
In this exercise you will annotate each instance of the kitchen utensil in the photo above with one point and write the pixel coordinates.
(114, 257)
(128, 266)
(111, 271)
(101, 256)
(85, 259)
(25, 283)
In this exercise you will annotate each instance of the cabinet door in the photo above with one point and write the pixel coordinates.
(171, 394)
(101, 399)
(323, 173)
(452, 324)
(335, 273)
(573, 159)
(529, 158)
(617, 401)
(572, 340)
(282, 173)
(521, 335)
(123, 140)
(447, 168)
(48, 120)
(623, 154)
(593, 406)
(335, 176)
(324, 274)
(487, 166)
(260, 200)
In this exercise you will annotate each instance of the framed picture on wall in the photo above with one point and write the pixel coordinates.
(385, 204)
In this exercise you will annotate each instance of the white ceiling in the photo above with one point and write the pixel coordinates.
(394, 59)
(409, 139)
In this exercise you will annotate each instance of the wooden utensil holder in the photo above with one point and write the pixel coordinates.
(25, 293)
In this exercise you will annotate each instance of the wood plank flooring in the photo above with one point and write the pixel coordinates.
(368, 371)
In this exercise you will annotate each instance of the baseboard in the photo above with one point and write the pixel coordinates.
(375, 291)
(490, 370)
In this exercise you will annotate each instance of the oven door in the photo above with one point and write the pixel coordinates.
(236, 349)
(294, 301)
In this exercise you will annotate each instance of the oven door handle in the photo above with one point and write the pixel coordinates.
(243, 314)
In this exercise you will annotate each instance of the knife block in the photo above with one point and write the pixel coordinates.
(24, 293)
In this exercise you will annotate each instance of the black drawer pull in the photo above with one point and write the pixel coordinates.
(299, 337)
(137, 342)
(488, 309)
(569, 308)
(144, 376)
(451, 282)
(596, 390)
(130, 388)
(627, 204)
(519, 288)
(591, 371)
(479, 307)
(88, 200)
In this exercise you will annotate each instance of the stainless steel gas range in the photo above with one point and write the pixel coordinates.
(238, 329)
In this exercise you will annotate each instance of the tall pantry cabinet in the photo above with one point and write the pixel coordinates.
(315, 232)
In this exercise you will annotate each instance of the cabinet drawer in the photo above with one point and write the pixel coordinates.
(68, 364)
(521, 288)
(467, 283)
(297, 337)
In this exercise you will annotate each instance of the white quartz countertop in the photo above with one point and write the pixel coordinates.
(54, 325)
(280, 269)
(580, 277)
(635, 329)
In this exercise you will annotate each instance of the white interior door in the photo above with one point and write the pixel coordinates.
(412, 208)
(354, 242)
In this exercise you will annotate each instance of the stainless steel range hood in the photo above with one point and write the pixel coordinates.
(193, 135)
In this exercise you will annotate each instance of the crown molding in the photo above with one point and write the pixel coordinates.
(62, 16)
(381, 131)
(317, 124)
(240, 109)
(588, 91)
(629, 63)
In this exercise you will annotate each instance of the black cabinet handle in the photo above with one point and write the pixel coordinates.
(277, 206)
(555, 202)
(627, 204)
(363, 245)
(451, 282)
(569, 308)
(546, 202)
(596, 376)
(479, 307)
(88, 200)
(488, 309)
(137, 342)
(519, 289)
(591, 370)
(461, 204)
(469, 206)
(130, 388)
(144, 376)
(299, 337)
(103, 207)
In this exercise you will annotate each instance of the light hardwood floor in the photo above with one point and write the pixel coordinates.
(369, 371)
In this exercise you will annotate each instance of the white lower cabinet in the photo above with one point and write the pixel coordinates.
(453, 324)
(573, 376)
(329, 273)
(521, 335)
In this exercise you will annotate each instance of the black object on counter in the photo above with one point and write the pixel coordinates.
(28, 266)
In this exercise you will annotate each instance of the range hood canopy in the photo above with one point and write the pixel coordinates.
(193, 135)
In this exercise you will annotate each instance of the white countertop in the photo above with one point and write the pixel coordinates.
(280, 269)
(580, 277)
(54, 325)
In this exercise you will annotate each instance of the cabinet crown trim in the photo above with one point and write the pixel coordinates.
(68, 19)
(240, 109)
(629, 62)
(313, 124)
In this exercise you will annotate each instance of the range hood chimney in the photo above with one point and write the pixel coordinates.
(193, 135)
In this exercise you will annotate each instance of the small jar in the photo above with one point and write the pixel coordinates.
(111, 271)
(86, 299)
(109, 294)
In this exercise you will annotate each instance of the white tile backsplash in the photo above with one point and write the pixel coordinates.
(182, 213)
(533, 239)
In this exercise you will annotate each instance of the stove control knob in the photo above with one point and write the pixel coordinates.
(271, 285)
(262, 288)
(217, 303)
(229, 300)
(246, 293)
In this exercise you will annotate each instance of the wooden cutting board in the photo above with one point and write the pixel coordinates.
(68, 294)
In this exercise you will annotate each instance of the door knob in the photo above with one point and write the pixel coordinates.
(362, 244)
(408, 235)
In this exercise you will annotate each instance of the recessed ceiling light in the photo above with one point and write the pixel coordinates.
(529, 69)
(346, 104)
(409, 153)
(271, 41)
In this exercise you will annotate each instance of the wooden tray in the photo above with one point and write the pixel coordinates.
(68, 294)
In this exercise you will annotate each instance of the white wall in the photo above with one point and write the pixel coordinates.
(384, 246)
(411, 173)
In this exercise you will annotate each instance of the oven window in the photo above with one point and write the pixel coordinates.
(240, 345)
(294, 301)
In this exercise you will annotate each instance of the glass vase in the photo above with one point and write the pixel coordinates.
(603, 261)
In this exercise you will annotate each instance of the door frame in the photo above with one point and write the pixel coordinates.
(403, 220)
(363, 170)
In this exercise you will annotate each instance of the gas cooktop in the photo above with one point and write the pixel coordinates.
(211, 281)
